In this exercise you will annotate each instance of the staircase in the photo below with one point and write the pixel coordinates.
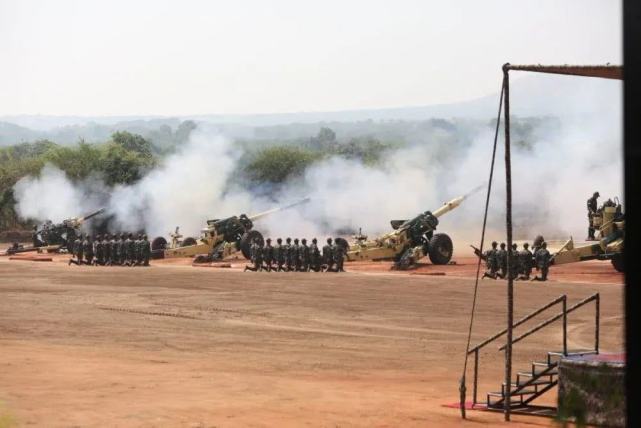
(542, 375)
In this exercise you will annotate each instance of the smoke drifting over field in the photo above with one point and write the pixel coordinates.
(553, 175)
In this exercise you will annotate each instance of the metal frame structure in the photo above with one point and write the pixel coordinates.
(602, 71)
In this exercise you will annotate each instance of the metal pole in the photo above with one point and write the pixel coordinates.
(565, 327)
(596, 327)
(476, 376)
(508, 223)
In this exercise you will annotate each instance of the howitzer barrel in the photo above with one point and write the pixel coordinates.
(274, 210)
(93, 214)
(448, 206)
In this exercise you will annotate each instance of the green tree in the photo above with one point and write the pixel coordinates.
(132, 142)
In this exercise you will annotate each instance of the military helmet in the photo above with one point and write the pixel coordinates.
(329, 240)
(314, 240)
(268, 240)
(295, 240)
(279, 240)
(514, 246)
(596, 194)
(502, 244)
(494, 243)
(304, 241)
(131, 235)
(525, 245)
(288, 240)
(140, 236)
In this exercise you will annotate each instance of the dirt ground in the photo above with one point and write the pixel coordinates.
(175, 345)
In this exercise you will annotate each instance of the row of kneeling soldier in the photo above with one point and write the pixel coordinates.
(120, 249)
(296, 257)
(524, 261)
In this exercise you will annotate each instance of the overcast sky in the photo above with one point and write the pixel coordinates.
(196, 57)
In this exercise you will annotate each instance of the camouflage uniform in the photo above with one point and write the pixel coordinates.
(87, 247)
(106, 249)
(527, 262)
(592, 209)
(138, 250)
(77, 251)
(542, 259)
(491, 261)
(515, 262)
(314, 256)
(501, 256)
(339, 257)
(279, 255)
(295, 255)
(288, 254)
(116, 246)
(303, 256)
(268, 255)
(256, 258)
(98, 248)
(328, 256)
(146, 250)
(130, 250)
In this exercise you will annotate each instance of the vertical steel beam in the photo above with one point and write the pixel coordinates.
(508, 224)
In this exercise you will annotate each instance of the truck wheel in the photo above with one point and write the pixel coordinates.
(246, 242)
(159, 243)
(440, 249)
(617, 262)
(188, 241)
(342, 243)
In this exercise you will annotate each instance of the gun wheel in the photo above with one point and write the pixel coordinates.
(440, 249)
(246, 242)
(617, 262)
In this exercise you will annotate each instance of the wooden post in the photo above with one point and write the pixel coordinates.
(565, 326)
(596, 327)
(508, 223)
(476, 377)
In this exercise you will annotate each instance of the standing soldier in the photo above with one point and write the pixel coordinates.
(527, 262)
(256, 258)
(138, 250)
(268, 254)
(295, 253)
(98, 249)
(130, 245)
(122, 249)
(491, 261)
(87, 247)
(106, 249)
(543, 259)
(115, 249)
(288, 254)
(501, 256)
(339, 256)
(314, 256)
(77, 251)
(146, 250)
(279, 255)
(537, 243)
(328, 256)
(515, 262)
(592, 210)
(303, 255)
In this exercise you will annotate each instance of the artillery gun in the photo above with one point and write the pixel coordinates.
(609, 220)
(221, 238)
(409, 241)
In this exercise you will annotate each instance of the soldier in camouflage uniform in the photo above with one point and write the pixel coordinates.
(537, 243)
(527, 262)
(146, 250)
(339, 257)
(128, 247)
(139, 250)
(87, 247)
(303, 255)
(115, 249)
(256, 257)
(543, 259)
(294, 254)
(328, 256)
(592, 205)
(289, 262)
(268, 255)
(121, 249)
(77, 251)
(314, 256)
(515, 265)
(98, 249)
(501, 256)
(106, 249)
(491, 261)
(279, 255)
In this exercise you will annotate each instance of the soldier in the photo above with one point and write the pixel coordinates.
(121, 249)
(87, 247)
(501, 257)
(279, 255)
(537, 243)
(304, 255)
(268, 255)
(138, 250)
(288, 254)
(115, 249)
(543, 259)
(77, 251)
(515, 262)
(294, 254)
(328, 256)
(98, 249)
(256, 257)
(339, 256)
(592, 210)
(146, 250)
(106, 249)
(491, 261)
(527, 262)
(130, 244)
(314, 256)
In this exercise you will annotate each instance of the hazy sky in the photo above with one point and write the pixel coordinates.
(195, 57)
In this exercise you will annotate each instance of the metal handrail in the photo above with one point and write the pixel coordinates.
(554, 318)
(516, 324)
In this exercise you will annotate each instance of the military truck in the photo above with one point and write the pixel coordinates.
(609, 220)
(220, 239)
(409, 241)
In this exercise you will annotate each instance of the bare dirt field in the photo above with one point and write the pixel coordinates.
(175, 345)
